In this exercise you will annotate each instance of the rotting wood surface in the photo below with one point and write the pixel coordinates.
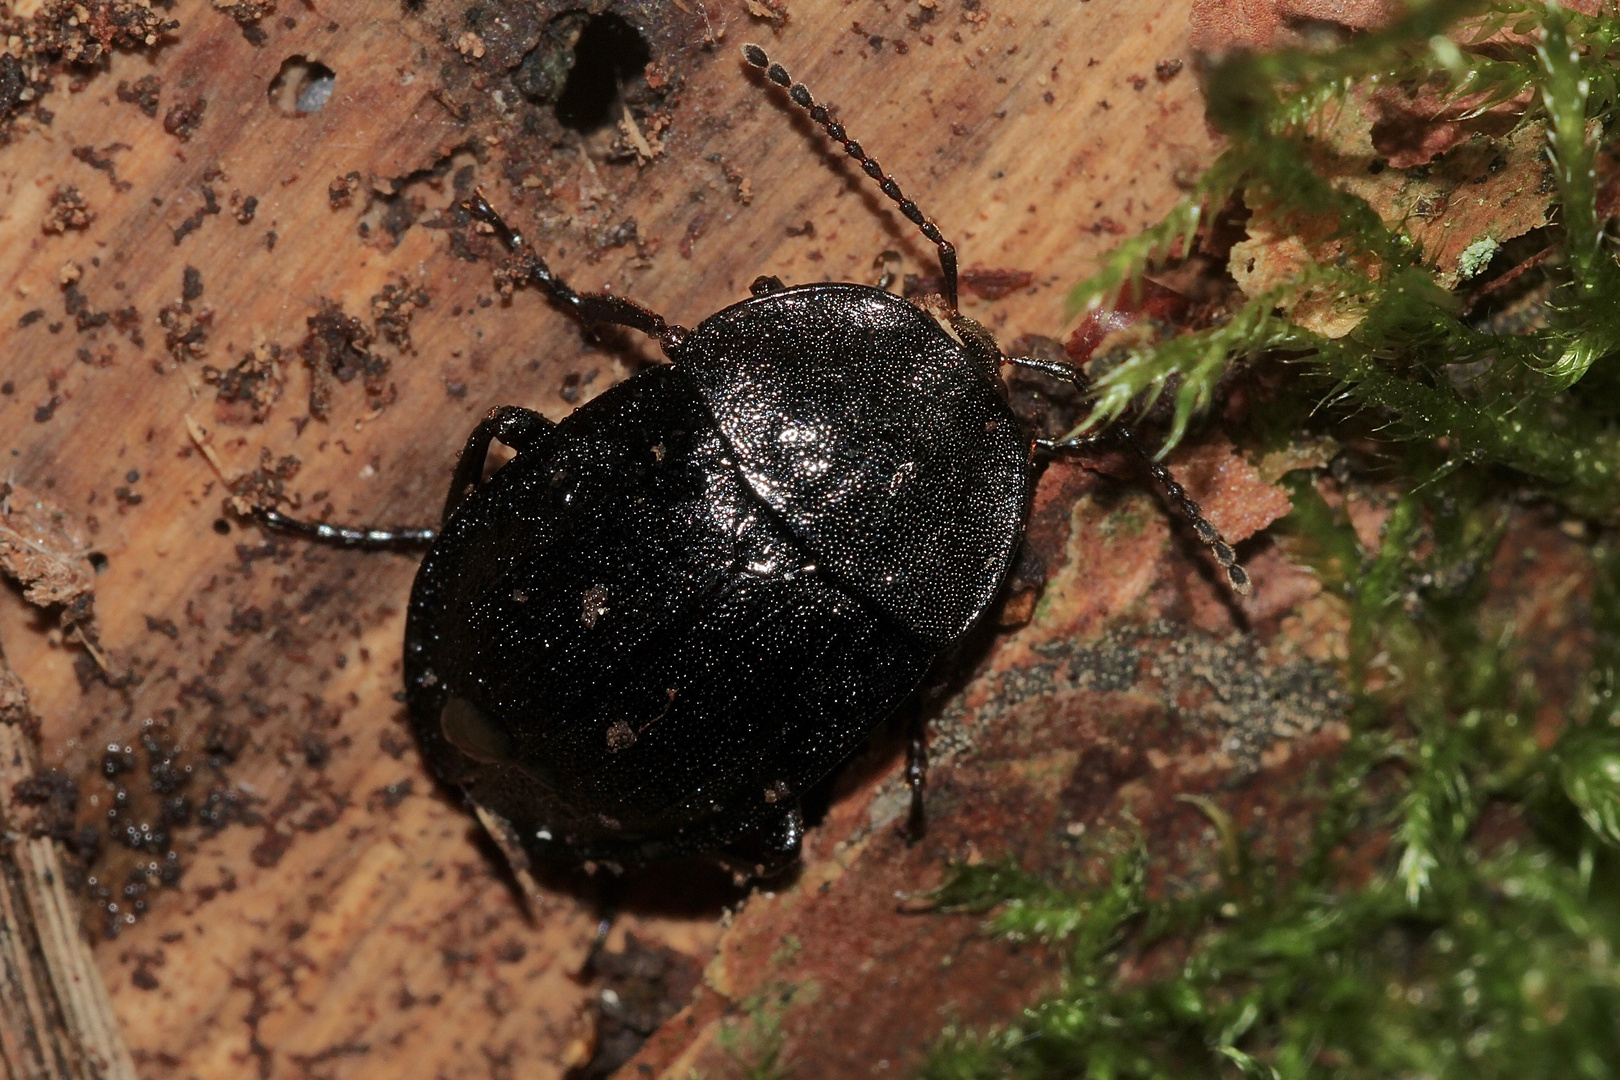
(334, 914)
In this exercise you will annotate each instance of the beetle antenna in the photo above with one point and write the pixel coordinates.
(801, 97)
(1208, 534)
(589, 308)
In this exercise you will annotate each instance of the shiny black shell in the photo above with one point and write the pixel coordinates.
(674, 611)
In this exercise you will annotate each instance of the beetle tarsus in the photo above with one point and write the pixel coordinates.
(1077, 444)
(800, 95)
(534, 267)
(1210, 536)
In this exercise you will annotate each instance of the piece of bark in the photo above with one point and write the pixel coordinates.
(56, 1019)
(45, 554)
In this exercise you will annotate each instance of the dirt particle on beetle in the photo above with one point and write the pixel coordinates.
(620, 736)
(593, 605)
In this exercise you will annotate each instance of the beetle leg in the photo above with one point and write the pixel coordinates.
(1064, 372)
(521, 429)
(767, 850)
(917, 777)
(589, 308)
(594, 308)
(980, 345)
(368, 537)
(788, 835)
(886, 183)
(1208, 535)
(608, 900)
(1075, 444)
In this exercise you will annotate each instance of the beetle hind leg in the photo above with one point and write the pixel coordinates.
(520, 429)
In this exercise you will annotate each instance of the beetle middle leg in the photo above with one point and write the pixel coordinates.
(1122, 434)
(518, 428)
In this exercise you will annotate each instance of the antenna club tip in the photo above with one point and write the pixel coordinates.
(755, 56)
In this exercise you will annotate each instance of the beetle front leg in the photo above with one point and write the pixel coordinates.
(1208, 535)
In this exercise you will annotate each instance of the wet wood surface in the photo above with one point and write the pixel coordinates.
(316, 907)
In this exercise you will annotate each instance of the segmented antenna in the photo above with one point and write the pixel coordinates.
(801, 97)
(1208, 534)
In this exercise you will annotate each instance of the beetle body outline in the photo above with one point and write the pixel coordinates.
(674, 611)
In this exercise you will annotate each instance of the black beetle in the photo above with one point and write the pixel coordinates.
(674, 611)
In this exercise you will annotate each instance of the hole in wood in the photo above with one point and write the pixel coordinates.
(302, 86)
(608, 54)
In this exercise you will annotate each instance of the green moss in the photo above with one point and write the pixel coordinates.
(1449, 961)
(753, 1039)
(1517, 413)
(787, 951)
(1448, 957)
